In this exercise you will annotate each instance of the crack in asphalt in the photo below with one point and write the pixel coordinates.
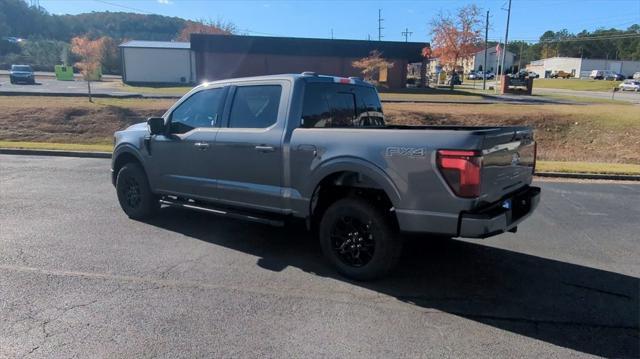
(63, 311)
(165, 273)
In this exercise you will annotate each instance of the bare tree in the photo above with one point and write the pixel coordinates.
(371, 65)
(90, 53)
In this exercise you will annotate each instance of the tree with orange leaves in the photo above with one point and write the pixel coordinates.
(90, 53)
(218, 27)
(455, 38)
(371, 65)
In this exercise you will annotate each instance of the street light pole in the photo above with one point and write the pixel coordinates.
(486, 48)
(506, 40)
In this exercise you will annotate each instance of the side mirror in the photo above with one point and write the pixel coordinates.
(156, 125)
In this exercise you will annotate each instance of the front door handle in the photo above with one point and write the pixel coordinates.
(203, 146)
(265, 148)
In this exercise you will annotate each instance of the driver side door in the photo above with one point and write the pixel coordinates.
(181, 160)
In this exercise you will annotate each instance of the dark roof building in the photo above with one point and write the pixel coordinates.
(229, 56)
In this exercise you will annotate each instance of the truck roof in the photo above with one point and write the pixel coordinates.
(306, 76)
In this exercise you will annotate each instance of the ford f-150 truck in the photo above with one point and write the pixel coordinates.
(317, 148)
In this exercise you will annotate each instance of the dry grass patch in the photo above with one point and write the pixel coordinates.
(594, 132)
(72, 120)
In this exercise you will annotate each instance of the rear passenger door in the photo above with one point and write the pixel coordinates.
(248, 147)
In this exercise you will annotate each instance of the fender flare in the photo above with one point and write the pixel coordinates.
(125, 149)
(352, 164)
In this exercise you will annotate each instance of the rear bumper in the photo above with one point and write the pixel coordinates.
(496, 218)
(488, 221)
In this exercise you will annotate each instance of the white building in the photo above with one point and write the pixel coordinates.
(582, 67)
(157, 62)
(476, 62)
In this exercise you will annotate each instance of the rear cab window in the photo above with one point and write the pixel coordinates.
(331, 105)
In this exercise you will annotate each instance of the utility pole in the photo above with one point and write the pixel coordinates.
(520, 57)
(331, 33)
(506, 40)
(380, 19)
(406, 33)
(486, 48)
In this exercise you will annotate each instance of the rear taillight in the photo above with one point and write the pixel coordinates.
(462, 171)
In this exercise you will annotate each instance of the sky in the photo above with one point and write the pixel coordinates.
(358, 19)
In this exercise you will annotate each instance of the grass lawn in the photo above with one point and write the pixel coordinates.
(595, 132)
(430, 94)
(588, 167)
(576, 84)
(159, 90)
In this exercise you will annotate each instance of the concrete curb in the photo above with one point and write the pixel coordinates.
(595, 176)
(95, 95)
(89, 154)
(34, 152)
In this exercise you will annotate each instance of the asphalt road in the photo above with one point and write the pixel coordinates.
(79, 279)
(628, 96)
(45, 84)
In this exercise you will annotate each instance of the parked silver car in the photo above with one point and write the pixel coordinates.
(630, 85)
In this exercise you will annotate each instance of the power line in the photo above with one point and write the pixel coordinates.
(123, 6)
(406, 33)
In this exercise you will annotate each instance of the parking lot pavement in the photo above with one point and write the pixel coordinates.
(78, 278)
(51, 85)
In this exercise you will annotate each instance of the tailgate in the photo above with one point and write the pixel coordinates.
(508, 161)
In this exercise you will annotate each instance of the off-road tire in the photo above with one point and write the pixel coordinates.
(134, 193)
(371, 227)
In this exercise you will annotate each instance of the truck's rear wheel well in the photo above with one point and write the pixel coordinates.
(349, 184)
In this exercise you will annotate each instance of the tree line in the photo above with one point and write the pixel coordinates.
(48, 36)
(453, 37)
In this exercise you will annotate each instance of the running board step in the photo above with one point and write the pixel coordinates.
(221, 212)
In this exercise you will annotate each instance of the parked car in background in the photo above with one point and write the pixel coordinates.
(596, 75)
(525, 73)
(630, 85)
(474, 75)
(489, 75)
(613, 76)
(636, 76)
(561, 74)
(21, 73)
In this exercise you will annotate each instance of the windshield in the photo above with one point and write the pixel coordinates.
(21, 68)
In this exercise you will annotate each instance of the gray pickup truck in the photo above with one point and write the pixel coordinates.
(316, 148)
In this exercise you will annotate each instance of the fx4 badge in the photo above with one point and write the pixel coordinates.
(405, 152)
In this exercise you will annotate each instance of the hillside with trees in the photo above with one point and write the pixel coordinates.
(47, 36)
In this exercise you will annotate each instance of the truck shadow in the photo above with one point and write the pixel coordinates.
(585, 309)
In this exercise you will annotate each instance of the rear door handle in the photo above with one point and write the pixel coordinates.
(203, 146)
(265, 148)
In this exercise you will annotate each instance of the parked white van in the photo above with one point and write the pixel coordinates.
(597, 74)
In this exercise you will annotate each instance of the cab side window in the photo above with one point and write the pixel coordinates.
(329, 105)
(255, 106)
(202, 109)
